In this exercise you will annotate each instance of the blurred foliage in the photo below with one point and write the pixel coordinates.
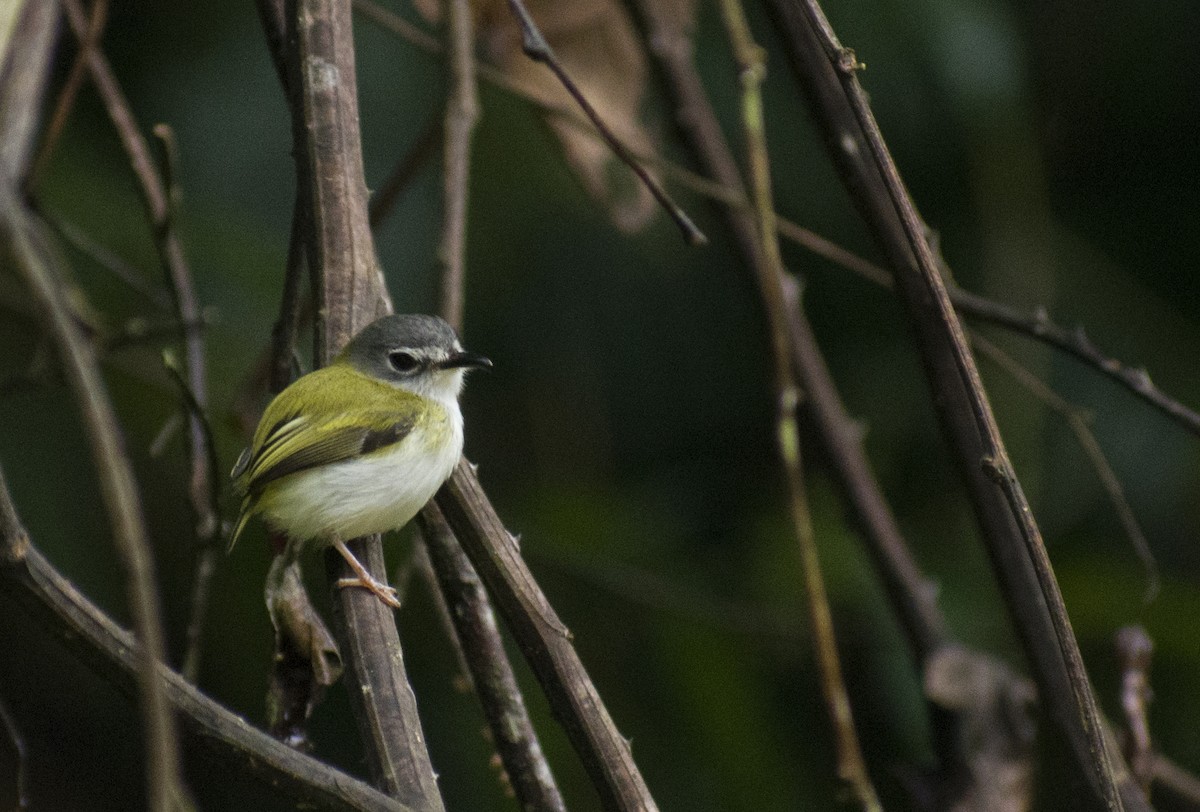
(625, 432)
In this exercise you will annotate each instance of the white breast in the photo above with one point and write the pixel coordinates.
(371, 494)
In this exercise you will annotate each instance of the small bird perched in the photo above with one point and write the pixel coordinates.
(358, 447)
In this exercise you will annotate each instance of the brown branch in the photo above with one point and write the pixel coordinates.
(826, 71)
(319, 78)
(53, 604)
(474, 624)
(462, 112)
(39, 264)
(545, 642)
(537, 49)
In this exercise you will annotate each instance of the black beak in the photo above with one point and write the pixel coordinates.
(469, 360)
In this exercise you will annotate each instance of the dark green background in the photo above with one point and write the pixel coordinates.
(625, 432)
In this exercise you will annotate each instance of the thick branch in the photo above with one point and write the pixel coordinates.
(827, 73)
(318, 62)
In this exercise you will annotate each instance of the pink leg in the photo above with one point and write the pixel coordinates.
(365, 580)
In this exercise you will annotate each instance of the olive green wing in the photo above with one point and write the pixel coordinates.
(297, 443)
(303, 443)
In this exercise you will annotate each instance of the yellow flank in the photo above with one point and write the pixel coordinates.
(286, 445)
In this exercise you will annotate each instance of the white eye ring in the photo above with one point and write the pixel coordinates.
(403, 362)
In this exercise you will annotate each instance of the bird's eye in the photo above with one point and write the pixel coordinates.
(403, 362)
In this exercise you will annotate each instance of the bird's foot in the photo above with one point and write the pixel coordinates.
(385, 593)
(364, 579)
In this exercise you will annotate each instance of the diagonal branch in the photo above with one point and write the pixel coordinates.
(826, 71)
(537, 49)
(545, 642)
(474, 624)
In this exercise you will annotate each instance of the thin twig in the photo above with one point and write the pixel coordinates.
(1036, 324)
(751, 63)
(649, 589)
(204, 489)
(545, 642)
(41, 267)
(206, 564)
(827, 73)
(106, 258)
(537, 49)
(1077, 421)
(491, 674)
(1173, 781)
(462, 112)
(157, 197)
(1075, 342)
(69, 92)
(51, 602)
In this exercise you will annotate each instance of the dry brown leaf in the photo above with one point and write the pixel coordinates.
(598, 46)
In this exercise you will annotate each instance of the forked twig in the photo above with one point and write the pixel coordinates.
(1078, 423)
(482, 648)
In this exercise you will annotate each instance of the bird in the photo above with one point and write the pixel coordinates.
(359, 446)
